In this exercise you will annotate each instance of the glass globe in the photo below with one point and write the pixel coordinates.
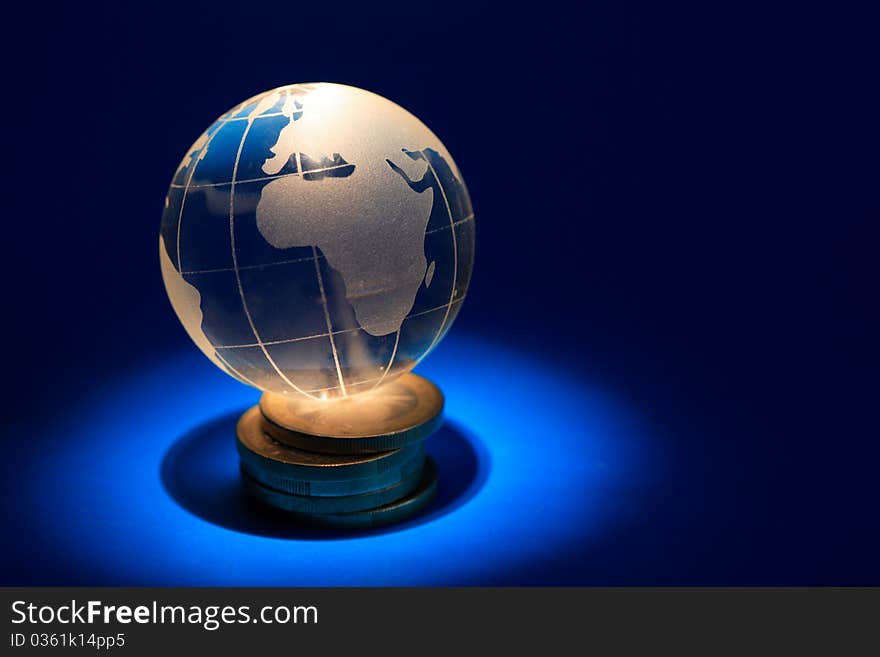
(317, 240)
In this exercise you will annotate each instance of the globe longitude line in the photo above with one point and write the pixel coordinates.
(390, 360)
(454, 257)
(244, 304)
(299, 168)
(253, 100)
(241, 377)
(452, 299)
(448, 306)
(192, 173)
(327, 319)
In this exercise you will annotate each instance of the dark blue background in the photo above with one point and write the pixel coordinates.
(678, 203)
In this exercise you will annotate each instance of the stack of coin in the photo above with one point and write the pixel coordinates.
(354, 462)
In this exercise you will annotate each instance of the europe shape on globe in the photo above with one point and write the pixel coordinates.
(317, 240)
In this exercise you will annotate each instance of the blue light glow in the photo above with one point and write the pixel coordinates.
(141, 484)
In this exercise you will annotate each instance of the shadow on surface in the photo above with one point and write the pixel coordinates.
(200, 472)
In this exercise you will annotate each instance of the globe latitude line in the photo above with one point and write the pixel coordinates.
(213, 270)
(270, 343)
(245, 118)
(244, 181)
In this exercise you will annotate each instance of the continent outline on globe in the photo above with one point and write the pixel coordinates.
(348, 236)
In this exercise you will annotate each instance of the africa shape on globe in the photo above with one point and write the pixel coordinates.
(317, 240)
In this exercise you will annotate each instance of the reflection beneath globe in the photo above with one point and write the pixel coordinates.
(404, 404)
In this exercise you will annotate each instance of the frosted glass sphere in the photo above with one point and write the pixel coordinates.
(317, 240)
